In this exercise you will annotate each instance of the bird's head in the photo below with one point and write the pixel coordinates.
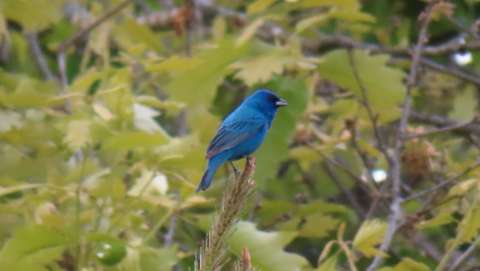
(265, 101)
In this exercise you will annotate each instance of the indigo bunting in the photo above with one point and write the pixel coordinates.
(241, 132)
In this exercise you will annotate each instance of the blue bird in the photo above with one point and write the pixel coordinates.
(241, 132)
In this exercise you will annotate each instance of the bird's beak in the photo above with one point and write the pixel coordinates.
(281, 102)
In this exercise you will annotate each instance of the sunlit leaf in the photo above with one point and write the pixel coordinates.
(78, 134)
(131, 140)
(318, 225)
(384, 96)
(249, 31)
(9, 120)
(369, 235)
(470, 224)
(259, 69)
(33, 15)
(259, 6)
(407, 264)
(208, 67)
(330, 264)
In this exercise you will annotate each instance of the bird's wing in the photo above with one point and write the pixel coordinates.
(229, 136)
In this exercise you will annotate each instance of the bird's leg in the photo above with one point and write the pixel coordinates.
(235, 170)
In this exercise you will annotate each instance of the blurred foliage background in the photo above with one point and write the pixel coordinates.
(107, 106)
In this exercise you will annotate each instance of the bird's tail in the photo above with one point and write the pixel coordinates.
(209, 173)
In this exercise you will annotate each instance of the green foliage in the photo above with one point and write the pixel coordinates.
(370, 234)
(98, 169)
(266, 248)
(384, 95)
(33, 248)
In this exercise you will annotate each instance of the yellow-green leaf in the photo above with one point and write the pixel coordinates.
(132, 140)
(470, 224)
(384, 96)
(33, 15)
(259, 69)
(408, 264)
(78, 134)
(370, 234)
(259, 6)
(32, 248)
(330, 264)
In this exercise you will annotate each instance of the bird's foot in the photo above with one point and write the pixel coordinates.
(235, 169)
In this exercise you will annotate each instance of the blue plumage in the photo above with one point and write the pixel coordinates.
(241, 132)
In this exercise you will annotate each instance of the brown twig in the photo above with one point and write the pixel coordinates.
(348, 194)
(371, 115)
(453, 127)
(245, 262)
(211, 254)
(83, 32)
(62, 48)
(395, 161)
(442, 122)
(469, 169)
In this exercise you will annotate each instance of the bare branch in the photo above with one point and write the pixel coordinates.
(395, 161)
(453, 127)
(465, 255)
(442, 122)
(39, 56)
(348, 194)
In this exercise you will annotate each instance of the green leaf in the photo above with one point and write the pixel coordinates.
(132, 35)
(470, 224)
(315, 20)
(132, 140)
(370, 234)
(318, 225)
(34, 15)
(266, 248)
(330, 264)
(32, 249)
(249, 31)
(464, 105)
(259, 6)
(197, 81)
(408, 264)
(9, 120)
(384, 95)
(17, 188)
(78, 134)
(261, 68)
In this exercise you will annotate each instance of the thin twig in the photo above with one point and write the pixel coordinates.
(366, 186)
(441, 121)
(371, 115)
(453, 127)
(465, 255)
(83, 32)
(62, 48)
(348, 194)
(469, 169)
(39, 56)
(211, 254)
(395, 161)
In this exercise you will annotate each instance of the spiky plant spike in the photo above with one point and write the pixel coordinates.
(212, 252)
